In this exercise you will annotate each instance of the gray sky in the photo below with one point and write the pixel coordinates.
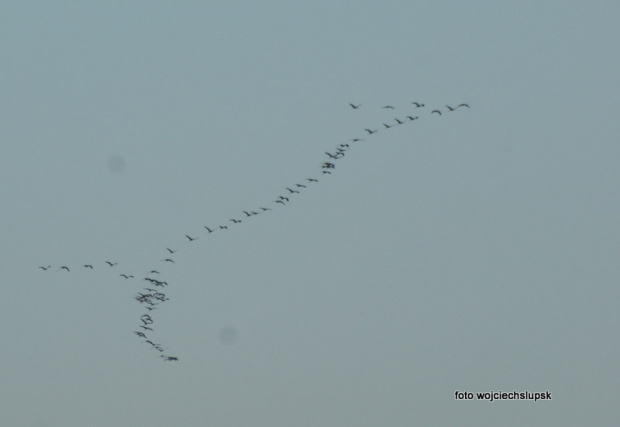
(476, 250)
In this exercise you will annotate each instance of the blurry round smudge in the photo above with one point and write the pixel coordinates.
(228, 335)
(116, 163)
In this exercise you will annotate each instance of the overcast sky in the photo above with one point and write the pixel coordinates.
(474, 250)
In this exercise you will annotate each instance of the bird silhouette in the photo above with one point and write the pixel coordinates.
(111, 264)
(370, 131)
(154, 272)
(417, 104)
(223, 227)
(171, 251)
(127, 276)
(236, 221)
(436, 111)
(412, 118)
(292, 191)
(387, 126)
(388, 106)
(356, 139)
(167, 260)
(191, 239)
(355, 107)
(64, 267)
(399, 122)
(208, 229)
(44, 268)
(450, 108)
(140, 334)
(88, 266)
(463, 105)
(312, 180)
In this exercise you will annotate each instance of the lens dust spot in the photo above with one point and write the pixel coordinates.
(228, 335)
(116, 163)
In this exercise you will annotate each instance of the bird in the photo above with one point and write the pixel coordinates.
(450, 108)
(370, 131)
(88, 266)
(388, 106)
(236, 221)
(331, 156)
(387, 126)
(170, 358)
(463, 105)
(167, 260)
(355, 107)
(279, 201)
(208, 229)
(171, 251)
(127, 276)
(284, 198)
(191, 239)
(312, 180)
(356, 139)
(146, 328)
(111, 264)
(140, 334)
(436, 111)
(247, 213)
(44, 268)
(399, 122)
(412, 118)
(64, 267)
(154, 272)
(417, 104)
(265, 209)
(326, 172)
(223, 227)
(292, 191)
(300, 185)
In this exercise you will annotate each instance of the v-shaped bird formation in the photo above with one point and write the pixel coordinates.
(151, 296)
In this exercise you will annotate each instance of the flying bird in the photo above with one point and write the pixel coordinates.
(388, 106)
(44, 268)
(64, 267)
(463, 105)
(412, 118)
(223, 227)
(292, 191)
(387, 126)
(436, 111)
(265, 209)
(312, 180)
(140, 334)
(370, 131)
(236, 221)
(450, 108)
(417, 104)
(300, 185)
(355, 107)
(88, 266)
(399, 122)
(167, 260)
(154, 272)
(356, 139)
(127, 276)
(171, 251)
(191, 239)
(111, 264)
(208, 229)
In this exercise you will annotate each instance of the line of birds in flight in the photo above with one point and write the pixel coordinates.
(152, 295)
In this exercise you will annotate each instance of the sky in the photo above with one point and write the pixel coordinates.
(474, 250)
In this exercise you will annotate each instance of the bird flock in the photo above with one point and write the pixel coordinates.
(152, 295)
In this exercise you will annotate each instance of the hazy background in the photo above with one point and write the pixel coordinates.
(473, 251)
